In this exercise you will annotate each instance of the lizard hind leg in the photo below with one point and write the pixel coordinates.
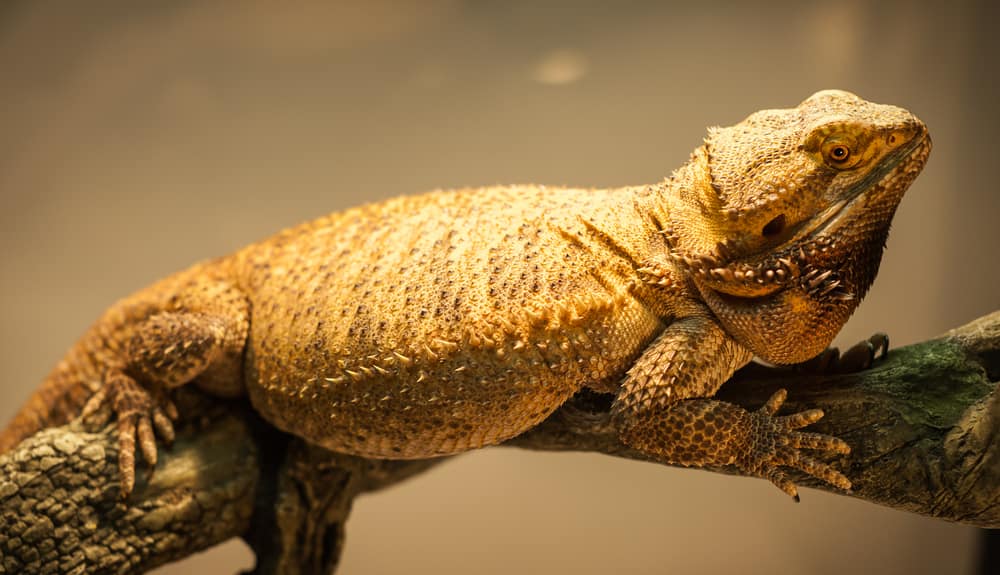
(138, 411)
(144, 358)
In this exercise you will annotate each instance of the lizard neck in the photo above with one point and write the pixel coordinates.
(624, 231)
(623, 225)
(691, 204)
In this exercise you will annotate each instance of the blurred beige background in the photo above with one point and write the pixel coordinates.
(136, 140)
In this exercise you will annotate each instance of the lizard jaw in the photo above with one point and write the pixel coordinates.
(808, 258)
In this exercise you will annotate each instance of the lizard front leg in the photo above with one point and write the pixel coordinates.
(199, 333)
(663, 409)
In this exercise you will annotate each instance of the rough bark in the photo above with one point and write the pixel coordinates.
(923, 425)
(61, 510)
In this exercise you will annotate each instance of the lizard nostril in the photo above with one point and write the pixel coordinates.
(774, 226)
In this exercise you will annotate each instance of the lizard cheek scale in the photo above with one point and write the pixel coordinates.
(428, 325)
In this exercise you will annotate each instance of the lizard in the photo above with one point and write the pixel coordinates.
(428, 325)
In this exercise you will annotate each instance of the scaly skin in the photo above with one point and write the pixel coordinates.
(434, 324)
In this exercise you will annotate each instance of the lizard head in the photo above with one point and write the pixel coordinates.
(781, 220)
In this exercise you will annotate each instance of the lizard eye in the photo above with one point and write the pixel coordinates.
(839, 153)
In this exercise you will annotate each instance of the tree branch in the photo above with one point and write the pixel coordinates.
(923, 426)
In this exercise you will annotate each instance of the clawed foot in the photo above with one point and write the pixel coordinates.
(776, 444)
(858, 357)
(139, 411)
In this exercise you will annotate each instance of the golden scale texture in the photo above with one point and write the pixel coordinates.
(434, 324)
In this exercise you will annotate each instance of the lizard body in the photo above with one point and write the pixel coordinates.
(434, 324)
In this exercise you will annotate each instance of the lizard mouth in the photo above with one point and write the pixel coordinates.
(819, 245)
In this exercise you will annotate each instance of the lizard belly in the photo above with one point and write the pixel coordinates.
(425, 411)
(440, 396)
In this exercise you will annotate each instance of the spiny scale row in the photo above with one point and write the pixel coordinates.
(824, 283)
(771, 272)
(775, 270)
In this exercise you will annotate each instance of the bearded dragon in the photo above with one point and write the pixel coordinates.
(429, 325)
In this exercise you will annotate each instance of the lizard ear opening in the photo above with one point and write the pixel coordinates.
(774, 227)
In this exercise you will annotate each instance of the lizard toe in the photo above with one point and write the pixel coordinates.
(817, 441)
(795, 459)
(781, 481)
(164, 426)
(774, 402)
(141, 414)
(798, 420)
(147, 442)
(95, 411)
(126, 453)
(775, 443)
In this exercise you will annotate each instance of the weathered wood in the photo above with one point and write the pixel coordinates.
(923, 425)
(61, 510)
